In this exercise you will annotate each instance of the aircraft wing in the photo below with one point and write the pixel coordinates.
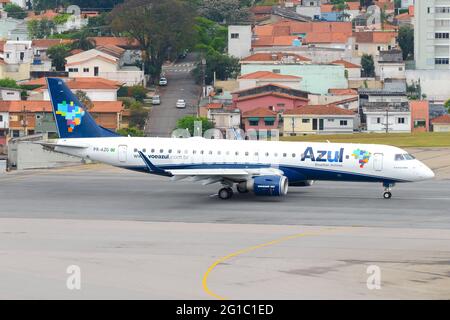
(209, 176)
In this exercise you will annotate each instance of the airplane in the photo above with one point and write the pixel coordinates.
(265, 168)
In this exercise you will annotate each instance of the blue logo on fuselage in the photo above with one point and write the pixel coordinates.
(323, 155)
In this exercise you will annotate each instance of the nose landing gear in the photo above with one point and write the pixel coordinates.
(387, 190)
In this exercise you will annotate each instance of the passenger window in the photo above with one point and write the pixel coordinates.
(144, 150)
(161, 151)
(293, 155)
(186, 152)
(256, 154)
(210, 152)
(218, 152)
(237, 153)
(284, 155)
(275, 154)
(267, 154)
(246, 154)
(399, 157)
(194, 151)
(178, 151)
(170, 150)
(201, 152)
(135, 150)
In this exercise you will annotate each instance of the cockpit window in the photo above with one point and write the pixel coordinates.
(408, 156)
(399, 157)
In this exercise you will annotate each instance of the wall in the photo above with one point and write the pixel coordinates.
(394, 126)
(441, 127)
(250, 83)
(316, 78)
(391, 71)
(16, 72)
(103, 66)
(241, 46)
(9, 95)
(431, 82)
(331, 124)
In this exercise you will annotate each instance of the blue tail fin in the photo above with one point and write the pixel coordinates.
(72, 118)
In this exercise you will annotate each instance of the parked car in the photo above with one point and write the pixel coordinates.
(163, 81)
(181, 104)
(156, 100)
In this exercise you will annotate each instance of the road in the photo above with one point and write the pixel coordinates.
(181, 85)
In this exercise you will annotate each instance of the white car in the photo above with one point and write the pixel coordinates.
(156, 100)
(181, 104)
(163, 81)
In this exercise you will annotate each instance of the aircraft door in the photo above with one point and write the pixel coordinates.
(378, 162)
(122, 153)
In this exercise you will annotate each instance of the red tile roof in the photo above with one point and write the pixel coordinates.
(47, 43)
(45, 106)
(375, 36)
(444, 119)
(80, 83)
(270, 93)
(346, 64)
(259, 112)
(329, 109)
(276, 56)
(261, 9)
(343, 92)
(48, 14)
(267, 75)
(115, 41)
(214, 106)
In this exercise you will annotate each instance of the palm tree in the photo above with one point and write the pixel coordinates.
(84, 42)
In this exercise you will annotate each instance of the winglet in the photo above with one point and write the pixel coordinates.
(152, 168)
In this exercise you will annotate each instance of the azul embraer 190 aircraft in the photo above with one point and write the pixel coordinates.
(266, 168)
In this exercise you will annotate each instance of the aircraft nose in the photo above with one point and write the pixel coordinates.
(429, 174)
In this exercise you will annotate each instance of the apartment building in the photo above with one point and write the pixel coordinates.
(432, 34)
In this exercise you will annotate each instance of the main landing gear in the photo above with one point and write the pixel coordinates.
(387, 190)
(225, 193)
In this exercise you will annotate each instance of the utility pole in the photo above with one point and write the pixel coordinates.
(387, 119)
(24, 120)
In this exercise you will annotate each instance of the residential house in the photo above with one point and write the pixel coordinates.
(30, 117)
(10, 94)
(441, 124)
(12, 29)
(390, 65)
(261, 78)
(75, 20)
(372, 42)
(387, 118)
(105, 62)
(406, 18)
(41, 61)
(318, 119)
(343, 98)
(133, 52)
(271, 96)
(352, 70)
(310, 8)
(223, 117)
(260, 119)
(15, 60)
(96, 89)
(420, 115)
(316, 78)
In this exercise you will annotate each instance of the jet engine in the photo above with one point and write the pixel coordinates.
(276, 186)
(306, 183)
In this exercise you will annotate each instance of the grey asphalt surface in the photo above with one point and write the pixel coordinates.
(181, 85)
(103, 192)
(137, 236)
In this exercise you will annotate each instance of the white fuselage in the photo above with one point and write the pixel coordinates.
(299, 161)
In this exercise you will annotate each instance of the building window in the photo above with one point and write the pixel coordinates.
(1, 118)
(235, 36)
(269, 122)
(73, 69)
(276, 70)
(441, 61)
(85, 69)
(441, 35)
(343, 123)
(253, 122)
(420, 124)
(306, 120)
(401, 120)
(356, 47)
(378, 120)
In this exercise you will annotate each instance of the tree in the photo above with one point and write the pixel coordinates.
(225, 11)
(447, 105)
(368, 66)
(131, 131)
(138, 115)
(223, 65)
(14, 11)
(84, 99)
(210, 36)
(39, 29)
(83, 41)
(58, 54)
(9, 83)
(188, 122)
(406, 41)
(162, 28)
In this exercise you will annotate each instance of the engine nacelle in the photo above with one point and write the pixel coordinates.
(276, 186)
